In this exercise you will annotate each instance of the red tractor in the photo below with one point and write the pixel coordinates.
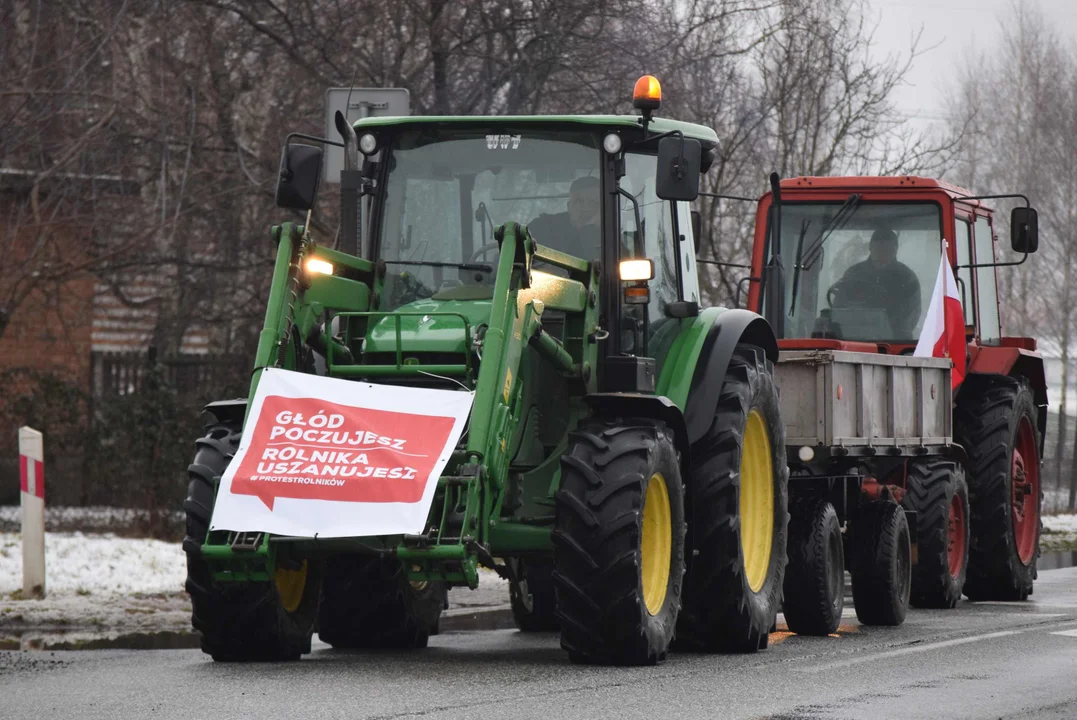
(843, 268)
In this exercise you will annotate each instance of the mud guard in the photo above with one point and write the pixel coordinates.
(1013, 362)
(730, 329)
(643, 405)
(224, 411)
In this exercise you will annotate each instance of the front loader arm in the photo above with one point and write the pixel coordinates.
(289, 239)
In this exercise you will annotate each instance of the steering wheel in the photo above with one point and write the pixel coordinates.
(483, 251)
(858, 299)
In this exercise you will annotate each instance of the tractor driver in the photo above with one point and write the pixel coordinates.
(882, 282)
(574, 231)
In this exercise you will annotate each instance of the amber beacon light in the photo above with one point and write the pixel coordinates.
(647, 95)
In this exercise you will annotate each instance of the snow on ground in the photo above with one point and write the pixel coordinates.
(97, 581)
(125, 585)
(77, 563)
(1066, 524)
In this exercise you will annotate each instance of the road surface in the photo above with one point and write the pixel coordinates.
(984, 660)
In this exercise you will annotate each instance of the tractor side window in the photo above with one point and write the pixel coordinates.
(653, 239)
(964, 274)
(689, 278)
(987, 290)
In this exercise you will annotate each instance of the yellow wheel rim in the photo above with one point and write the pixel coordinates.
(290, 586)
(756, 501)
(656, 544)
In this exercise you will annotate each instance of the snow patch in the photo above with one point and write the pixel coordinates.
(1062, 524)
(81, 564)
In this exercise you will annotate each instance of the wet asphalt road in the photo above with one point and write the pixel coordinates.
(985, 660)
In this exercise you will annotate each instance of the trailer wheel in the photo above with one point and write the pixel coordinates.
(996, 424)
(882, 564)
(253, 621)
(814, 589)
(738, 515)
(619, 542)
(936, 491)
(534, 607)
(368, 602)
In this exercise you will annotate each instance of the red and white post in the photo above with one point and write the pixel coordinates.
(32, 484)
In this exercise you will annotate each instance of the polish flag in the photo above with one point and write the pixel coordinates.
(943, 334)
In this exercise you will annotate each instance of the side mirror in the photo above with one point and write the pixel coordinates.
(300, 171)
(678, 168)
(697, 228)
(1024, 230)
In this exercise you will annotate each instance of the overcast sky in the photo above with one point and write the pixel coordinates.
(950, 29)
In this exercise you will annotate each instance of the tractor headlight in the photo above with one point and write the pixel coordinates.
(612, 143)
(317, 265)
(368, 144)
(637, 270)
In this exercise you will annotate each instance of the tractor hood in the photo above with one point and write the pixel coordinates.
(437, 323)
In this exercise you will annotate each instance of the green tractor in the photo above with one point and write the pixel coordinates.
(624, 464)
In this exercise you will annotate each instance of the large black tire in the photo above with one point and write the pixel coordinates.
(722, 612)
(368, 602)
(619, 508)
(988, 423)
(240, 621)
(534, 605)
(936, 491)
(882, 564)
(814, 589)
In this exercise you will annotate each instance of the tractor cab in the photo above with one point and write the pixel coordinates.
(585, 187)
(852, 262)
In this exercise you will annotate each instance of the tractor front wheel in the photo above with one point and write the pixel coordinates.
(534, 606)
(249, 621)
(619, 542)
(738, 515)
(368, 602)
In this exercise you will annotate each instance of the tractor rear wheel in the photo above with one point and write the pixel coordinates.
(737, 497)
(251, 621)
(996, 424)
(814, 590)
(619, 542)
(882, 563)
(936, 491)
(368, 602)
(534, 607)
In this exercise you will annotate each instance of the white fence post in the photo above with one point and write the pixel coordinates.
(32, 484)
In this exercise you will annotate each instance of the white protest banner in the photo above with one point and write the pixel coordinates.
(335, 458)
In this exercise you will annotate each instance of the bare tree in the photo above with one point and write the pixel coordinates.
(1019, 105)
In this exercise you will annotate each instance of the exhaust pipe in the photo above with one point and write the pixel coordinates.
(350, 185)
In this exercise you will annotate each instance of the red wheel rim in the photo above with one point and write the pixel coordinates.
(956, 553)
(1025, 489)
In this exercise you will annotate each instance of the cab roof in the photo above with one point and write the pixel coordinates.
(868, 182)
(657, 124)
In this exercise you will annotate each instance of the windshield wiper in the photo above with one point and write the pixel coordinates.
(796, 264)
(836, 223)
(433, 263)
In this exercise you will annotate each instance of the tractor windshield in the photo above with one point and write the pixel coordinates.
(449, 188)
(866, 270)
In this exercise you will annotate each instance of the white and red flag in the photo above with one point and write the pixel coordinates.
(943, 334)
